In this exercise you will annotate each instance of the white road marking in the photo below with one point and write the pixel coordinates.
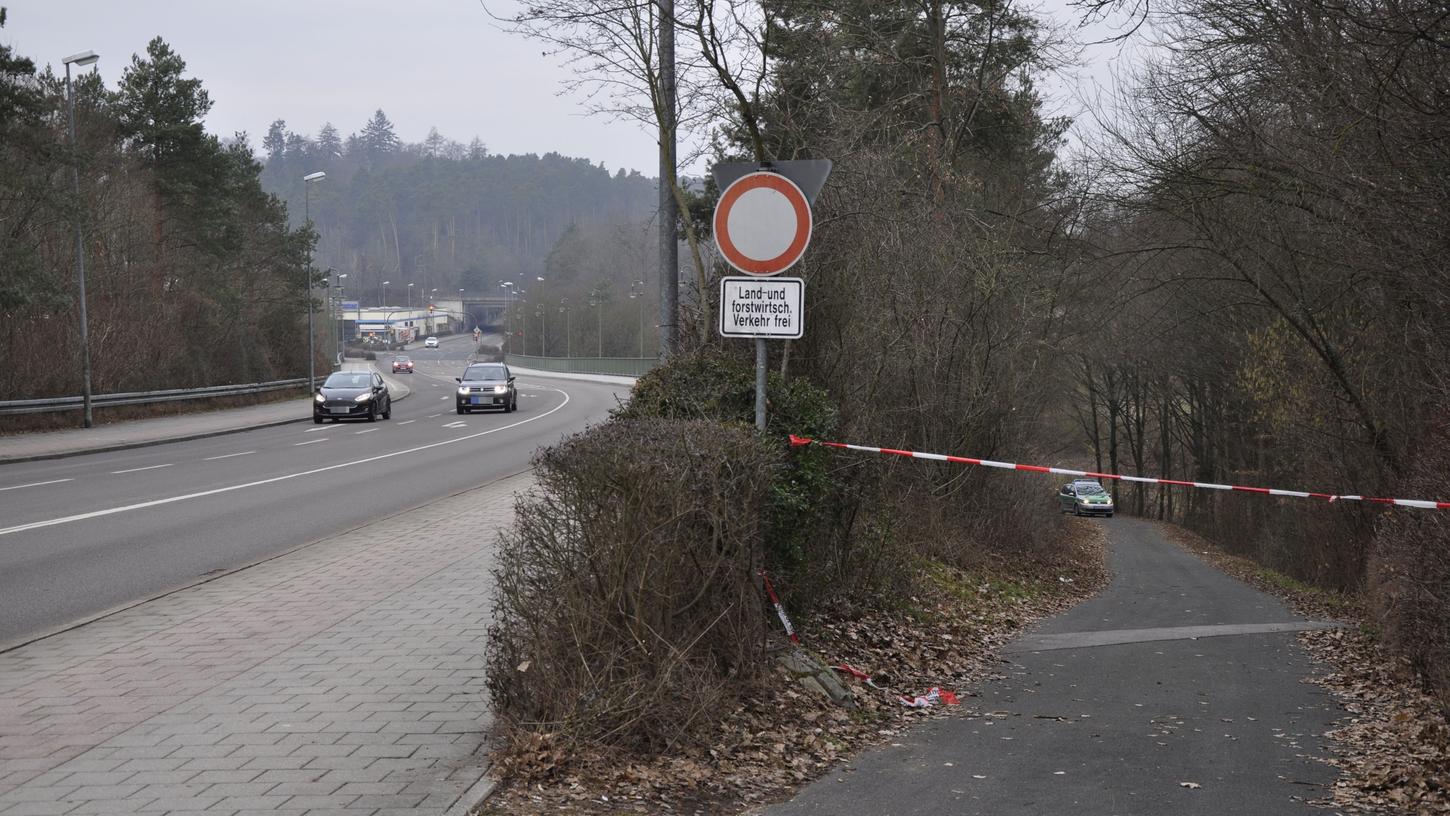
(309, 442)
(228, 455)
(364, 430)
(443, 398)
(407, 421)
(310, 430)
(137, 470)
(454, 425)
(34, 525)
(434, 416)
(35, 484)
(436, 385)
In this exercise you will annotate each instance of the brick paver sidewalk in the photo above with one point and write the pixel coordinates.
(345, 677)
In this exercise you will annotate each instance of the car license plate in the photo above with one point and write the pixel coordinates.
(336, 410)
(477, 400)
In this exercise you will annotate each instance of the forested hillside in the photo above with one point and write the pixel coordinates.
(442, 214)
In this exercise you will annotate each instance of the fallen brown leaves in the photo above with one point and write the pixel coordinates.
(780, 736)
(1393, 745)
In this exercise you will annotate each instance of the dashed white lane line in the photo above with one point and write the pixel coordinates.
(310, 430)
(363, 431)
(455, 425)
(35, 484)
(138, 470)
(407, 421)
(443, 398)
(228, 455)
(309, 442)
(110, 511)
(434, 416)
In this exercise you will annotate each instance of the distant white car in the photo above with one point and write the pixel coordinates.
(431, 342)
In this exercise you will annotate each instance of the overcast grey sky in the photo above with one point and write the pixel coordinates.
(426, 63)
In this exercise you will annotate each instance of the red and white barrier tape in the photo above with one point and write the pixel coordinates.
(779, 608)
(799, 441)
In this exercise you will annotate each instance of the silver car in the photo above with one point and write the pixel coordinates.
(1085, 497)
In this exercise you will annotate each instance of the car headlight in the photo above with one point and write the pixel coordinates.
(1082, 501)
(500, 389)
(363, 397)
(462, 390)
(321, 398)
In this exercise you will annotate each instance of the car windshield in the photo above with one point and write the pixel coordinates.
(484, 372)
(400, 359)
(1089, 489)
(348, 379)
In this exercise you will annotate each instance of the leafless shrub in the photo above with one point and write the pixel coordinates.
(1410, 570)
(627, 605)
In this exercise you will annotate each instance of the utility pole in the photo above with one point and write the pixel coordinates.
(669, 241)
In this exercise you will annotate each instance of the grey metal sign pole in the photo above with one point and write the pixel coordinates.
(760, 366)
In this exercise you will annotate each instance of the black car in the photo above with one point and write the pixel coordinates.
(486, 385)
(352, 395)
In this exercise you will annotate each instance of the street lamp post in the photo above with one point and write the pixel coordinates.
(307, 279)
(83, 58)
(385, 294)
(568, 328)
(596, 299)
(543, 330)
(410, 296)
(637, 291)
(508, 334)
(337, 320)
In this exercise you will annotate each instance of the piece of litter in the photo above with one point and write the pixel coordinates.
(1189, 785)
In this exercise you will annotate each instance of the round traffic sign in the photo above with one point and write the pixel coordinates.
(762, 224)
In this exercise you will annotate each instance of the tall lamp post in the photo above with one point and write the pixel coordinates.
(384, 304)
(83, 58)
(307, 279)
(410, 296)
(568, 328)
(637, 291)
(508, 334)
(336, 318)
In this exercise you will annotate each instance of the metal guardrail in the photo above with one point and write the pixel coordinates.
(41, 406)
(617, 366)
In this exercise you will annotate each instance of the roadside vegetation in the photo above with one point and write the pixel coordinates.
(193, 276)
(1239, 282)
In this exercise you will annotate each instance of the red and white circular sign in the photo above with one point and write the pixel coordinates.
(762, 224)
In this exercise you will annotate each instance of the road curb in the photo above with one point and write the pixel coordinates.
(475, 796)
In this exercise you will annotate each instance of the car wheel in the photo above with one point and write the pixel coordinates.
(1110, 515)
(388, 414)
(316, 420)
(459, 409)
(373, 412)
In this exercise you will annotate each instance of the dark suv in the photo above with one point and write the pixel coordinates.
(486, 385)
(1085, 497)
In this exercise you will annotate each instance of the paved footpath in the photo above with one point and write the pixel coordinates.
(1177, 690)
(345, 677)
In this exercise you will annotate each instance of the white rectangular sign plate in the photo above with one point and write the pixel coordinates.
(762, 307)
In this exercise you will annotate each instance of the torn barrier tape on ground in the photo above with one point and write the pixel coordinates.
(800, 441)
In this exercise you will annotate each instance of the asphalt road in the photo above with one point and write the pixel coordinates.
(82, 535)
(1170, 692)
